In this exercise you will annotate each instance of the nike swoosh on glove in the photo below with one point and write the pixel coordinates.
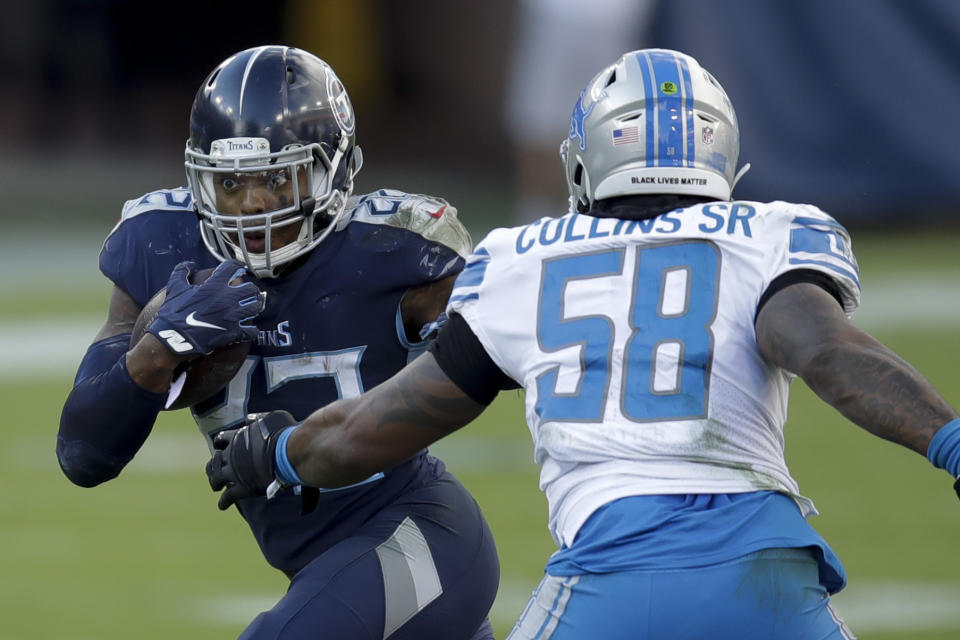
(199, 318)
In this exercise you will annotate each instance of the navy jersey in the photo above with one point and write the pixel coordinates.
(331, 328)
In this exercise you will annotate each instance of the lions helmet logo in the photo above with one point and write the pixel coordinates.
(576, 120)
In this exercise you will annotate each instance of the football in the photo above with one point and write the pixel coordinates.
(207, 374)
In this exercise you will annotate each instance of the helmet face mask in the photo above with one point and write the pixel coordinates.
(277, 121)
(654, 122)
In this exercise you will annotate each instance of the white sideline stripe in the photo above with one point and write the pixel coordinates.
(45, 346)
(52, 346)
(916, 300)
(231, 610)
(866, 607)
(240, 609)
(893, 605)
(187, 453)
(162, 453)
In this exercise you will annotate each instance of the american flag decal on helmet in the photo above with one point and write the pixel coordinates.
(626, 135)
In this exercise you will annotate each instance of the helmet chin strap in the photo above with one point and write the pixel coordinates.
(282, 256)
(307, 206)
(739, 175)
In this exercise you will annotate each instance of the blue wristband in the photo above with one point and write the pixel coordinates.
(944, 449)
(285, 471)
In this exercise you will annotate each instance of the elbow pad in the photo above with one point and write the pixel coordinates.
(107, 416)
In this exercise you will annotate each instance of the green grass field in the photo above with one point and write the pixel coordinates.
(149, 555)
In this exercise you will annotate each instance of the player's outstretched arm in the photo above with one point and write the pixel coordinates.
(803, 329)
(343, 443)
(351, 439)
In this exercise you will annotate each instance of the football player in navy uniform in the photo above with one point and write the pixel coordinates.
(655, 329)
(333, 291)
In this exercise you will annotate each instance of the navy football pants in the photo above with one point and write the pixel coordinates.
(425, 567)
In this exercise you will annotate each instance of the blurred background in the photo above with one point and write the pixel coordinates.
(848, 105)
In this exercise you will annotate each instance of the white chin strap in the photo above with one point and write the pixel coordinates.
(739, 175)
(257, 262)
(278, 257)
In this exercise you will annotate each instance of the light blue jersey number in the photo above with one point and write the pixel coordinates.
(342, 366)
(670, 309)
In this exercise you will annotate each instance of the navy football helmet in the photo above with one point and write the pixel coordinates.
(281, 116)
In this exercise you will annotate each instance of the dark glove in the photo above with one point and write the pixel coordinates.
(198, 318)
(956, 487)
(243, 460)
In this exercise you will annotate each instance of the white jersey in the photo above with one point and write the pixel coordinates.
(635, 344)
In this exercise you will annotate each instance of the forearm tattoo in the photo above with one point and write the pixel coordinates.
(423, 396)
(804, 331)
(877, 390)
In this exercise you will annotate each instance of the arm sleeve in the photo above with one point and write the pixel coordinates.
(107, 416)
(465, 361)
(799, 275)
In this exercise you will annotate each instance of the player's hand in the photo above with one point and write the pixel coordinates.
(243, 458)
(956, 487)
(198, 318)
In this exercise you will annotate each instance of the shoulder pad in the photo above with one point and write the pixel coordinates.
(815, 240)
(430, 217)
(164, 199)
(160, 200)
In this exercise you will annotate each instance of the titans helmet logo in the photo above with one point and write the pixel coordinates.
(340, 103)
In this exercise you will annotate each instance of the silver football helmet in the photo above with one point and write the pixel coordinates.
(653, 122)
(280, 118)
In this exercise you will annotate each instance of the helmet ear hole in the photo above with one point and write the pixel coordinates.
(578, 175)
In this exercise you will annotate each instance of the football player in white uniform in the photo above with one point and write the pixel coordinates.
(655, 329)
